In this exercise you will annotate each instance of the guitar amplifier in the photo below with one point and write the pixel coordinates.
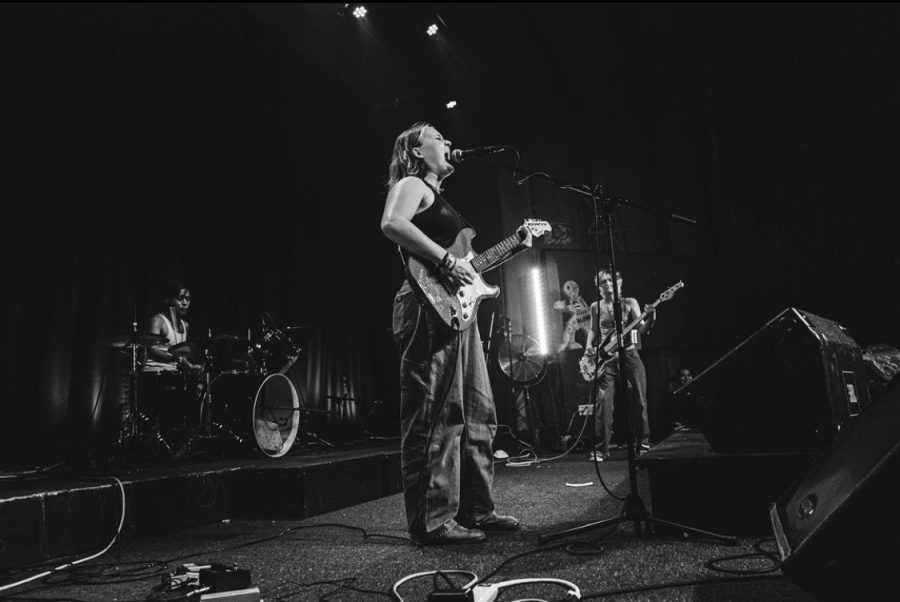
(791, 386)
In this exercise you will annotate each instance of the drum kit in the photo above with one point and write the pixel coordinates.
(241, 402)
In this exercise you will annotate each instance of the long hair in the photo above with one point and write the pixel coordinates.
(403, 161)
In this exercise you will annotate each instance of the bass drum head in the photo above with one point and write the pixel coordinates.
(276, 416)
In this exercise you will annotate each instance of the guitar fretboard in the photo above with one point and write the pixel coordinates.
(485, 261)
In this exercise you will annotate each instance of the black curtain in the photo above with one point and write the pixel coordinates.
(178, 142)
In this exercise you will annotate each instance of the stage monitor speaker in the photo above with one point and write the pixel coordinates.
(791, 386)
(836, 525)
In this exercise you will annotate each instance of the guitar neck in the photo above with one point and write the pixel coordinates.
(494, 256)
(611, 345)
(640, 318)
(631, 326)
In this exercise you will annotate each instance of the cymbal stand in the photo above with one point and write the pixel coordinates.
(309, 434)
(529, 413)
(129, 434)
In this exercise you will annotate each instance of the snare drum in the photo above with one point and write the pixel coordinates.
(261, 411)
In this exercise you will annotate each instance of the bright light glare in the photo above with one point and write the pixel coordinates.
(451, 104)
(432, 29)
(537, 291)
(360, 11)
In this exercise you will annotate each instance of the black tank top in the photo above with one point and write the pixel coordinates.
(440, 222)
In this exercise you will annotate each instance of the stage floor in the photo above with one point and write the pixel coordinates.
(358, 552)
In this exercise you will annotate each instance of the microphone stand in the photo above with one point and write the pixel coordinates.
(635, 510)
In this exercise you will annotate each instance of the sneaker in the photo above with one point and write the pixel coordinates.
(644, 447)
(597, 456)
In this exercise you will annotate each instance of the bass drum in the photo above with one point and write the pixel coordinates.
(262, 413)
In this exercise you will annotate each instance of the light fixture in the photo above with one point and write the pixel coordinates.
(432, 29)
(451, 104)
(360, 11)
(539, 306)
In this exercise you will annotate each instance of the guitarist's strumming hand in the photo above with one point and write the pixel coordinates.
(459, 273)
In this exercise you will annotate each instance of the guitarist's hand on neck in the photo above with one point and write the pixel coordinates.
(525, 238)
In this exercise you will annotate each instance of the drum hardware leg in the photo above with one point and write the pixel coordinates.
(137, 433)
(317, 438)
(202, 430)
(209, 430)
(227, 431)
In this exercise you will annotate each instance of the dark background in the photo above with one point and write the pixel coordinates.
(243, 149)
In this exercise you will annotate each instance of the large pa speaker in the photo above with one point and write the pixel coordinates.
(836, 525)
(791, 386)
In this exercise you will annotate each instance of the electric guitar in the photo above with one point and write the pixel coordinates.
(607, 350)
(458, 307)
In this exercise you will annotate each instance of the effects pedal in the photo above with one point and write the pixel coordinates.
(220, 578)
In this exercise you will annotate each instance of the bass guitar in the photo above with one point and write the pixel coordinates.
(458, 307)
(607, 349)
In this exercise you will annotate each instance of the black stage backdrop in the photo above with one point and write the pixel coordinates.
(230, 147)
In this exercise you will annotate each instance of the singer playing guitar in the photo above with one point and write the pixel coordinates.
(447, 414)
(602, 323)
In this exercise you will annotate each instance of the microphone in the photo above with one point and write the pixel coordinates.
(458, 155)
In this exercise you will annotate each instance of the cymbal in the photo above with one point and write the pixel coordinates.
(139, 339)
(187, 349)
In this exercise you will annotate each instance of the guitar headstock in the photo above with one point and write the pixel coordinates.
(537, 227)
(670, 292)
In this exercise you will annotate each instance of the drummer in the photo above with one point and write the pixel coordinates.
(171, 324)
